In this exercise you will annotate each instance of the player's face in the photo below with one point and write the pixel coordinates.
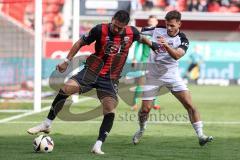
(172, 27)
(117, 27)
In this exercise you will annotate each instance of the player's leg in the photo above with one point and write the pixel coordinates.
(150, 91)
(79, 83)
(107, 94)
(185, 98)
(109, 104)
(143, 115)
(138, 93)
(69, 88)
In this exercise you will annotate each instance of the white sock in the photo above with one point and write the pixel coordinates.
(48, 122)
(198, 128)
(98, 144)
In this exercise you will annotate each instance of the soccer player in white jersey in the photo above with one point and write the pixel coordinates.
(163, 72)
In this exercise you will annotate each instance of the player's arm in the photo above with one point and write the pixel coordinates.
(73, 51)
(84, 40)
(143, 39)
(153, 45)
(175, 53)
(75, 48)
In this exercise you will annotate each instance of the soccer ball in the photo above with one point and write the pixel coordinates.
(43, 144)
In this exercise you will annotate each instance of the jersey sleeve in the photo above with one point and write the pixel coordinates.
(92, 35)
(184, 42)
(147, 31)
(136, 34)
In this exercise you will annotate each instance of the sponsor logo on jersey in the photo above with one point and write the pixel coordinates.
(107, 38)
(170, 43)
(185, 44)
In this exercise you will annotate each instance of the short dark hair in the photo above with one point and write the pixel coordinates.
(122, 16)
(152, 16)
(173, 15)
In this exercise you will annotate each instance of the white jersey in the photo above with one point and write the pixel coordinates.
(162, 64)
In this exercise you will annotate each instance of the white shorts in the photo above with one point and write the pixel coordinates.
(156, 86)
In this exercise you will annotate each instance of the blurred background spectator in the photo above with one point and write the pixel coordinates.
(195, 61)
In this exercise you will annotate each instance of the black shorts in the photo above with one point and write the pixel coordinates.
(88, 80)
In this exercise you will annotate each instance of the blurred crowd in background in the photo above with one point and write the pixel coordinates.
(52, 17)
(189, 5)
(53, 11)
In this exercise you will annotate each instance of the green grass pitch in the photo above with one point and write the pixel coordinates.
(166, 138)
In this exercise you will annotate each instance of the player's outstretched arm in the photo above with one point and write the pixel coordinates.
(73, 51)
(75, 48)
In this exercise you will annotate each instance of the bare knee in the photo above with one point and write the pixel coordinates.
(71, 87)
(109, 105)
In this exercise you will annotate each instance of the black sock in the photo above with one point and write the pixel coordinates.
(106, 126)
(57, 104)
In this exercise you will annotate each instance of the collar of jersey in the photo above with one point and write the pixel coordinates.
(175, 35)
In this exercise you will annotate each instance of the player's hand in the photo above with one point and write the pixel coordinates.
(161, 40)
(62, 67)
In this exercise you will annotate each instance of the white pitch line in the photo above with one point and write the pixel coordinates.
(32, 112)
(204, 122)
(22, 115)
(23, 101)
(14, 110)
(96, 122)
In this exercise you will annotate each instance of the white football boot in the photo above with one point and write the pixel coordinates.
(43, 127)
(137, 136)
(97, 148)
(204, 140)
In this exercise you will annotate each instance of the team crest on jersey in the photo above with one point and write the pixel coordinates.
(126, 39)
(170, 43)
(86, 35)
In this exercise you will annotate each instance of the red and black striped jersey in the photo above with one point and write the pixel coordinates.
(107, 62)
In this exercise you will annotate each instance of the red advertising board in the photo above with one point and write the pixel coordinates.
(58, 49)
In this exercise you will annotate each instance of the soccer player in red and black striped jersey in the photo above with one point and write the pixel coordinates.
(102, 71)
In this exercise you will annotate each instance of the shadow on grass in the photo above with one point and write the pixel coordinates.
(120, 147)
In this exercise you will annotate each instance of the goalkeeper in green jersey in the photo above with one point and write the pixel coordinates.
(143, 58)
